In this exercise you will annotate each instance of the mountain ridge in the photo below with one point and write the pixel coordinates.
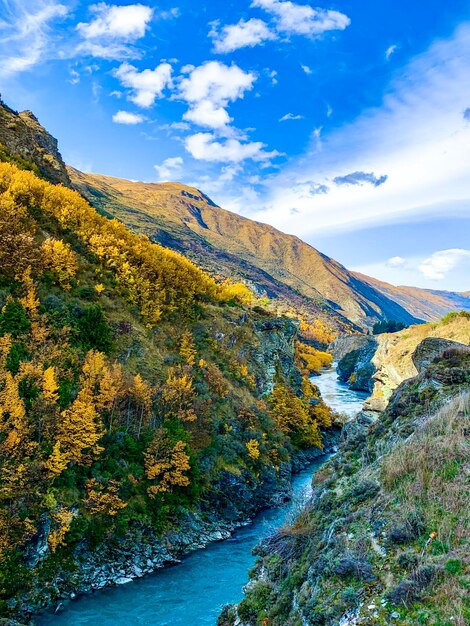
(278, 264)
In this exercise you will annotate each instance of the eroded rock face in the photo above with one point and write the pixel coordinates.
(379, 364)
(397, 360)
(276, 351)
(354, 355)
(23, 135)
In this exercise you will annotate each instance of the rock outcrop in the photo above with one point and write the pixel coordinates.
(353, 354)
(379, 364)
(23, 136)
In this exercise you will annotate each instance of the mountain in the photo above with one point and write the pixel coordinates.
(278, 265)
(426, 304)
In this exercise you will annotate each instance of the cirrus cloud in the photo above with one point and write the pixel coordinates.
(26, 29)
(439, 264)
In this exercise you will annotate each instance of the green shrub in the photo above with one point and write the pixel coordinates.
(94, 330)
(14, 319)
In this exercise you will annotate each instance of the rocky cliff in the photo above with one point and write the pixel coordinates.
(379, 364)
(384, 538)
(22, 135)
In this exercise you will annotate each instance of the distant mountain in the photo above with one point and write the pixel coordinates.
(280, 265)
(426, 304)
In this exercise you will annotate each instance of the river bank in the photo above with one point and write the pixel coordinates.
(195, 590)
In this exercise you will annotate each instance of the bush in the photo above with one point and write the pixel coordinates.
(94, 330)
(14, 319)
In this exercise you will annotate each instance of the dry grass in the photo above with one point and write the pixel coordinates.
(429, 472)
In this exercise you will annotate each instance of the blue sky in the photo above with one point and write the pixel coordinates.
(345, 123)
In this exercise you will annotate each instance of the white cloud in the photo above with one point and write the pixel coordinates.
(390, 50)
(128, 23)
(205, 147)
(147, 85)
(439, 264)
(209, 88)
(125, 117)
(74, 77)
(308, 70)
(297, 19)
(113, 30)
(26, 35)
(246, 33)
(291, 116)
(272, 74)
(396, 261)
(169, 169)
(206, 113)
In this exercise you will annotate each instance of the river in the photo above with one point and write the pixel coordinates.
(193, 592)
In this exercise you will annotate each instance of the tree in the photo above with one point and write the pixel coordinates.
(252, 447)
(188, 349)
(17, 246)
(293, 417)
(166, 464)
(142, 392)
(177, 395)
(14, 320)
(50, 386)
(103, 499)
(13, 423)
(79, 430)
(60, 260)
(94, 330)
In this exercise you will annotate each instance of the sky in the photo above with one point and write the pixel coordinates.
(345, 123)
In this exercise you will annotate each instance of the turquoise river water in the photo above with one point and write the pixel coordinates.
(193, 592)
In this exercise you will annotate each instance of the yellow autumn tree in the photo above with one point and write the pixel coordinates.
(309, 360)
(13, 422)
(142, 393)
(252, 447)
(80, 429)
(30, 300)
(57, 461)
(292, 416)
(188, 349)
(62, 520)
(103, 499)
(50, 386)
(178, 394)
(167, 464)
(59, 258)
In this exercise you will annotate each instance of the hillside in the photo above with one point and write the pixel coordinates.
(384, 539)
(280, 265)
(277, 264)
(274, 264)
(137, 397)
(24, 137)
